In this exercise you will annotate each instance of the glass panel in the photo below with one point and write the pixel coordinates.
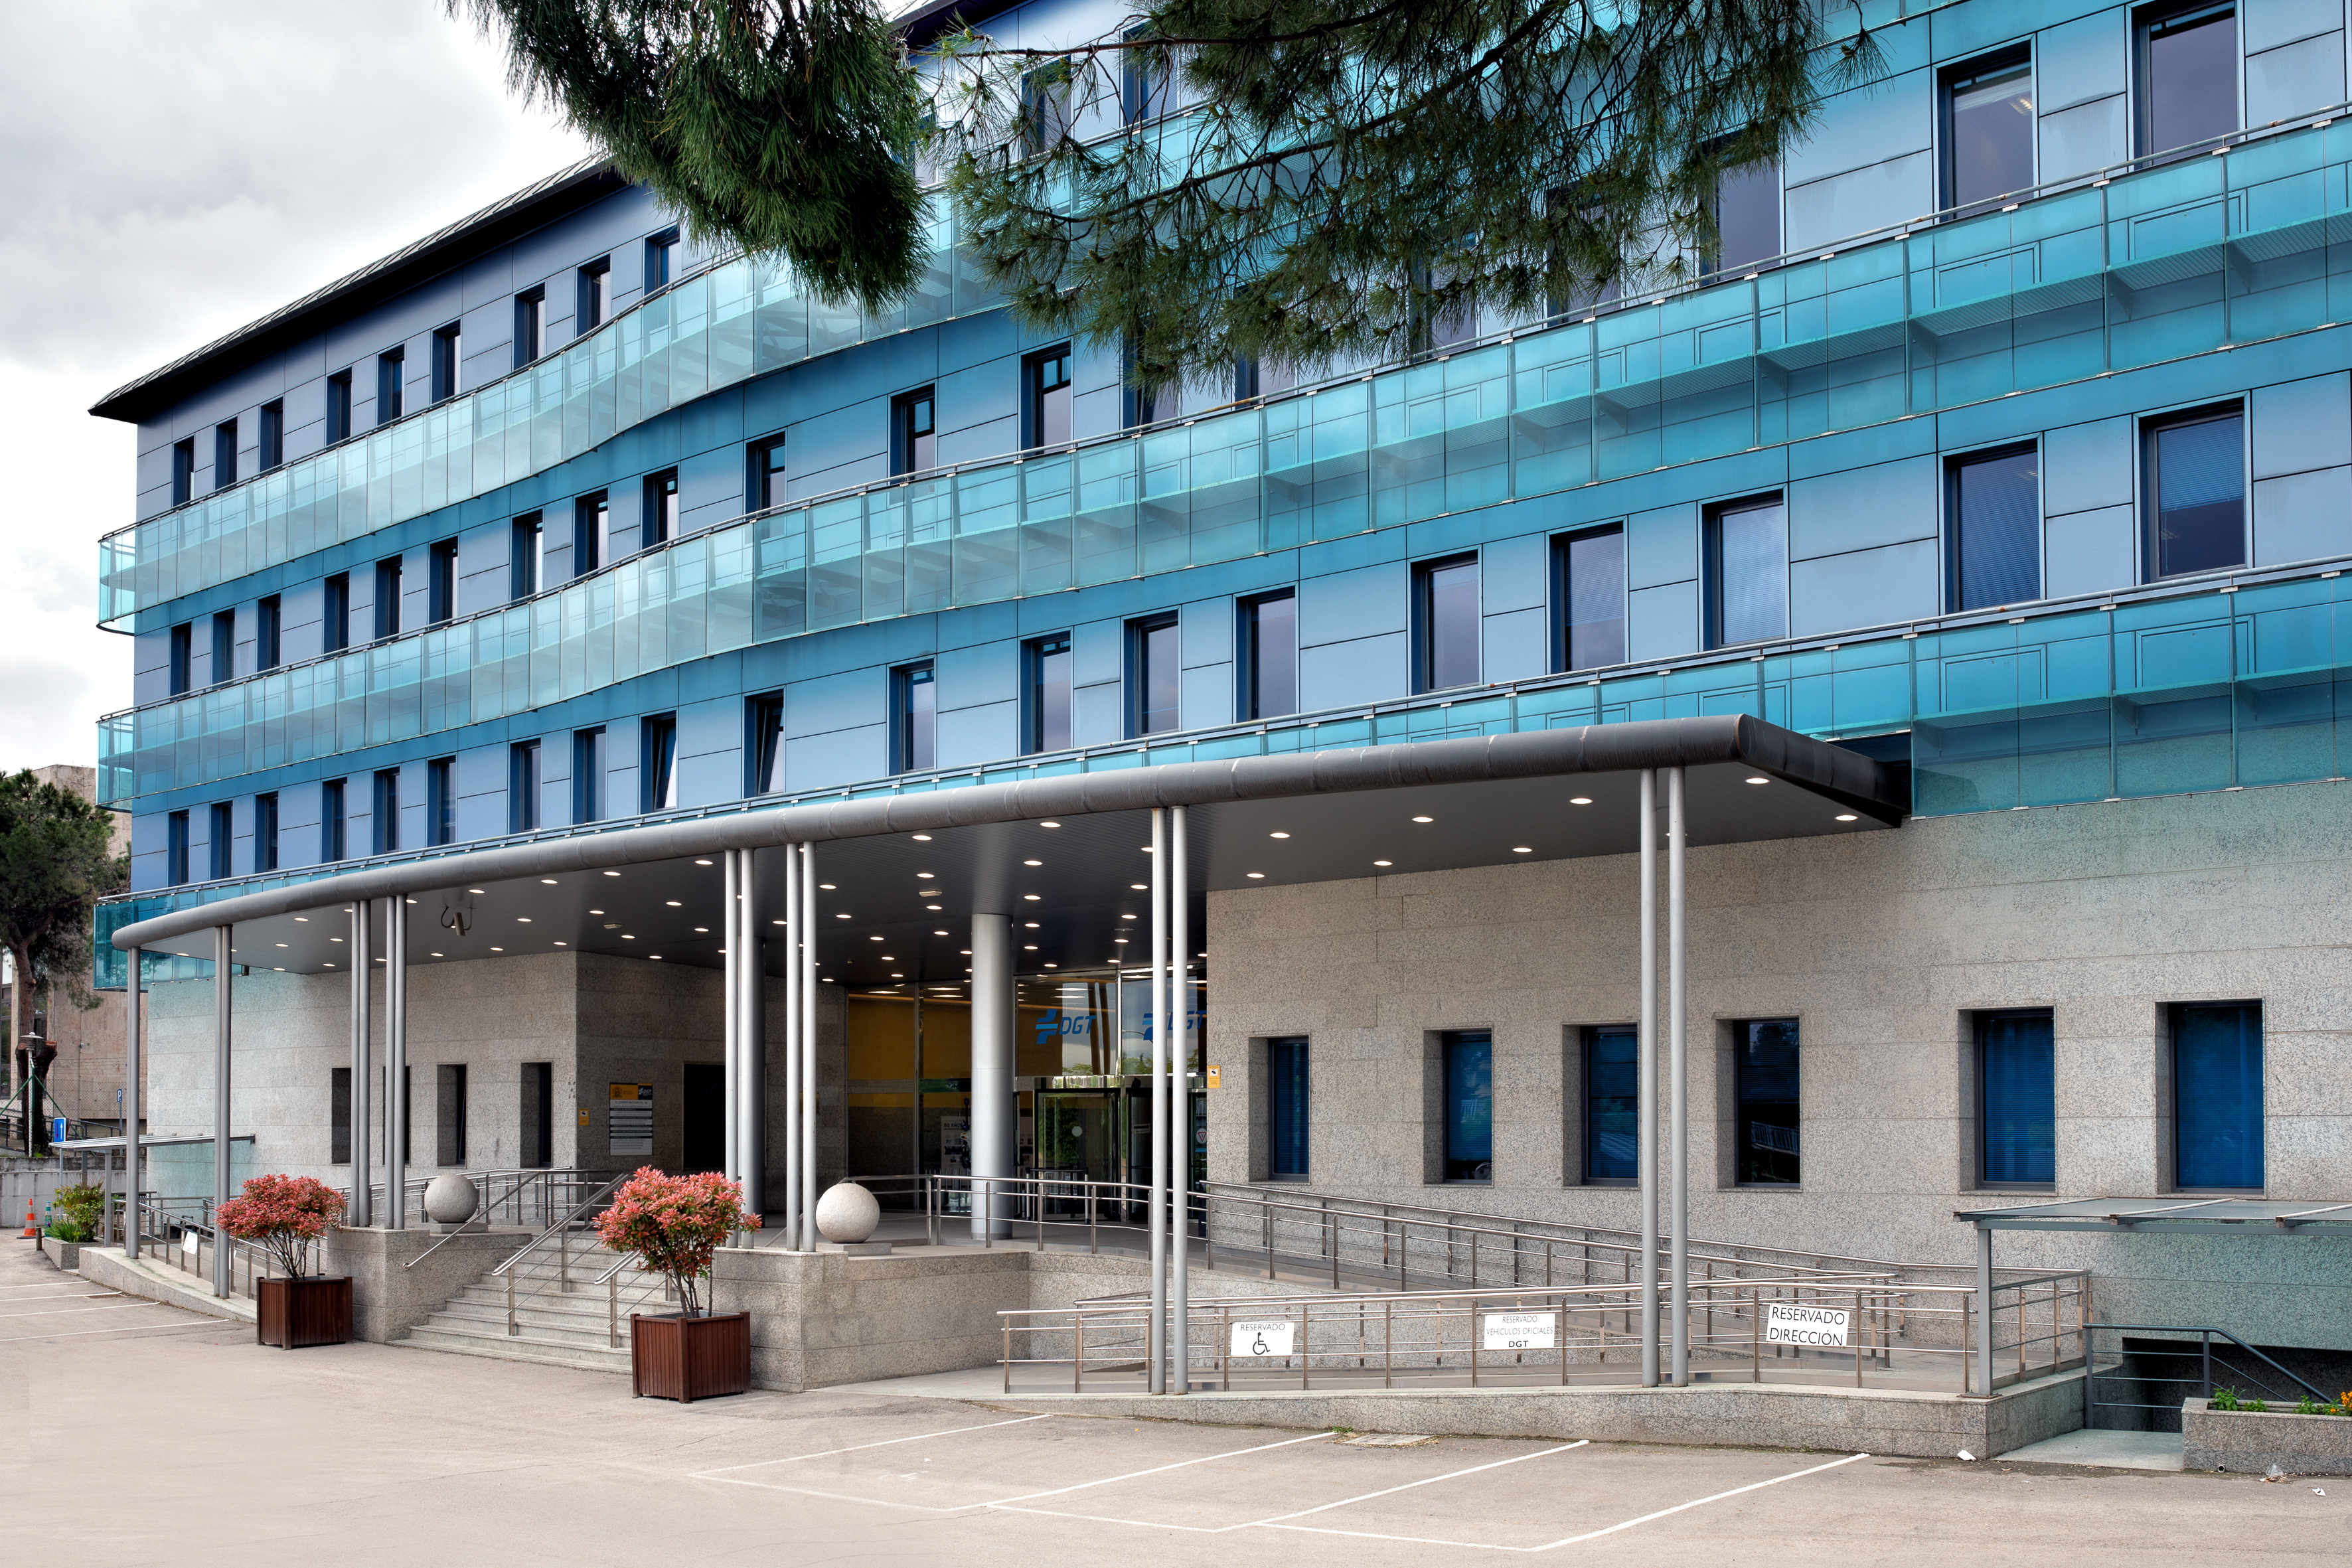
(922, 708)
(1274, 657)
(1611, 1105)
(1052, 697)
(1747, 217)
(1285, 1107)
(1469, 1108)
(1992, 134)
(2191, 85)
(1162, 678)
(1595, 591)
(2200, 504)
(1453, 625)
(1997, 556)
(1767, 1130)
(2217, 1096)
(2018, 1102)
(1751, 574)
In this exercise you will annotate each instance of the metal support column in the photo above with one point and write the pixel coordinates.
(808, 1047)
(992, 1108)
(1180, 1151)
(796, 937)
(362, 1137)
(1678, 1076)
(731, 1031)
(1984, 1310)
(130, 1108)
(1156, 1346)
(751, 1030)
(222, 966)
(1646, 1095)
(395, 1064)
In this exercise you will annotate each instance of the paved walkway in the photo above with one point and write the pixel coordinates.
(207, 1450)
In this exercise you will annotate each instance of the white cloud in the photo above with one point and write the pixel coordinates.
(175, 172)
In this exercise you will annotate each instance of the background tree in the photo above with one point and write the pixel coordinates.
(56, 859)
(1289, 182)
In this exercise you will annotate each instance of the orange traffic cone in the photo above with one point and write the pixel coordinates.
(32, 1230)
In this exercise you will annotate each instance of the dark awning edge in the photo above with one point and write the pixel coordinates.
(1852, 779)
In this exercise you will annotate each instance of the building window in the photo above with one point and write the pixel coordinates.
(338, 408)
(1155, 675)
(183, 471)
(530, 326)
(1994, 499)
(223, 453)
(388, 810)
(223, 836)
(224, 647)
(1046, 106)
(1747, 218)
(273, 437)
(441, 801)
(763, 717)
(528, 570)
(523, 787)
(330, 821)
(538, 1115)
(591, 517)
(1269, 655)
(1612, 1102)
(1143, 82)
(1589, 589)
(588, 775)
(1446, 628)
(2187, 75)
(441, 587)
(387, 597)
(1764, 1135)
(1046, 398)
(1747, 573)
(1257, 378)
(1139, 400)
(183, 659)
(659, 524)
(265, 833)
(1987, 129)
(338, 612)
(267, 640)
(657, 762)
(2016, 1101)
(914, 710)
(662, 259)
(339, 1116)
(595, 295)
(1469, 1105)
(1046, 694)
(914, 444)
(2217, 1096)
(1438, 323)
(449, 1123)
(2195, 492)
(1286, 1091)
(764, 474)
(447, 355)
(176, 849)
(389, 368)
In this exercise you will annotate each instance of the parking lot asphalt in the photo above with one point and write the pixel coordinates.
(150, 1435)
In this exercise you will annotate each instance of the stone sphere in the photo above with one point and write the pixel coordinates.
(451, 1199)
(848, 1213)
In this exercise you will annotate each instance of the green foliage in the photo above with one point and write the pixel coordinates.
(54, 860)
(783, 129)
(78, 1210)
(2225, 1399)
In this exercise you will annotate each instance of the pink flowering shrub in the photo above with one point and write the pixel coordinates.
(673, 1225)
(285, 1215)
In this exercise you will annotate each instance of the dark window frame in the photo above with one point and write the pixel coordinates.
(763, 743)
(527, 564)
(268, 633)
(1449, 1082)
(224, 648)
(664, 260)
(441, 582)
(1282, 1079)
(265, 833)
(387, 597)
(1425, 621)
(596, 302)
(333, 836)
(184, 470)
(1139, 633)
(525, 775)
(383, 819)
(339, 407)
(271, 430)
(2146, 23)
(176, 849)
(1711, 260)
(530, 325)
(665, 509)
(906, 680)
(335, 608)
(223, 453)
(1956, 525)
(2260, 1118)
(1034, 367)
(1564, 658)
(1589, 1103)
(764, 473)
(1985, 1180)
(1741, 1155)
(179, 675)
(2151, 500)
(440, 802)
(1712, 570)
(589, 785)
(904, 437)
(1979, 70)
(220, 849)
(1034, 651)
(391, 366)
(657, 762)
(450, 1113)
(448, 348)
(1250, 659)
(591, 523)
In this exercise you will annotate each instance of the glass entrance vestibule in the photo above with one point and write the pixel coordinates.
(1081, 1083)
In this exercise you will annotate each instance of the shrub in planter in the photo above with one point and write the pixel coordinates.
(672, 1226)
(287, 1216)
(79, 1211)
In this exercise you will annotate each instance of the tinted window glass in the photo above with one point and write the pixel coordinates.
(1450, 624)
(1611, 1105)
(2217, 1096)
(1766, 1131)
(1592, 568)
(2199, 496)
(1747, 217)
(1990, 133)
(917, 717)
(1285, 1107)
(2188, 78)
(1469, 1106)
(1750, 562)
(1273, 656)
(1997, 531)
(1158, 677)
(1049, 694)
(2017, 1106)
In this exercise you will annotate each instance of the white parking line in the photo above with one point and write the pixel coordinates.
(68, 1311)
(1427, 1480)
(128, 1329)
(859, 1447)
(62, 1296)
(1159, 1469)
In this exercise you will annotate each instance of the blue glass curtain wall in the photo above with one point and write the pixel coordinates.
(1469, 1068)
(2217, 1097)
(1613, 1123)
(2017, 1115)
(1286, 1109)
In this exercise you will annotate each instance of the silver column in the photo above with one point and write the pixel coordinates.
(1646, 1141)
(796, 941)
(751, 1029)
(992, 1070)
(1180, 1155)
(131, 1109)
(1156, 1348)
(362, 1210)
(808, 1047)
(222, 965)
(731, 931)
(1678, 1071)
(1984, 1310)
(395, 1064)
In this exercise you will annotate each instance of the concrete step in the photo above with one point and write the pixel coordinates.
(500, 1346)
(557, 1328)
(579, 1304)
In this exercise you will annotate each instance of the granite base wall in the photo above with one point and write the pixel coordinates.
(2252, 1442)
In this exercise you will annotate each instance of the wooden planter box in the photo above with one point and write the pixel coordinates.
(685, 1359)
(292, 1313)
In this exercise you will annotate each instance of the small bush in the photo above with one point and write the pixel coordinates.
(2226, 1399)
(285, 1215)
(673, 1224)
(78, 1213)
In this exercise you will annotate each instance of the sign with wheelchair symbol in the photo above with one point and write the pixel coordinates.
(1516, 1332)
(1265, 1337)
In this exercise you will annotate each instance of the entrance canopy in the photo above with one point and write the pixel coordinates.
(1067, 857)
(2230, 1215)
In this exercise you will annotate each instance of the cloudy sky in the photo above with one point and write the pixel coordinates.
(171, 171)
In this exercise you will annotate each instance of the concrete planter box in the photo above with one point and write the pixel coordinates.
(2250, 1441)
(66, 1253)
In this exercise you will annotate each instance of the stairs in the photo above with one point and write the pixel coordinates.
(555, 1327)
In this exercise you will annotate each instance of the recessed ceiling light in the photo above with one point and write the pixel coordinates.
(874, 939)
(1144, 847)
(301, 920)
(334, 939)
(673, 903)
(895, 975)
(1033, 862)
(624, 937)
(612, 873)
(927, 876)
(1028, 947)
(922, 838)
(1521, 850)
(1052, 966)
(1118, 942)
(1139, 888)
(281, 944)
(522, 919)
(1260, 875)
(775, 923)
(1848, 816)
(933, 907)
(963, 953)
(939, 934)
(1580, 800)
(702, 862)
(1424, 819)
(547, 882)
(568, 944)
(826, 887)
(1383, 862)
(493, 949)
(1049, 825)
(596, 911)
(1030, 924)
(1277, 836)
(281, 968)
(436, 955)
(842, 916)
(1760, 778)
(1032, 898)
(702, 931)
